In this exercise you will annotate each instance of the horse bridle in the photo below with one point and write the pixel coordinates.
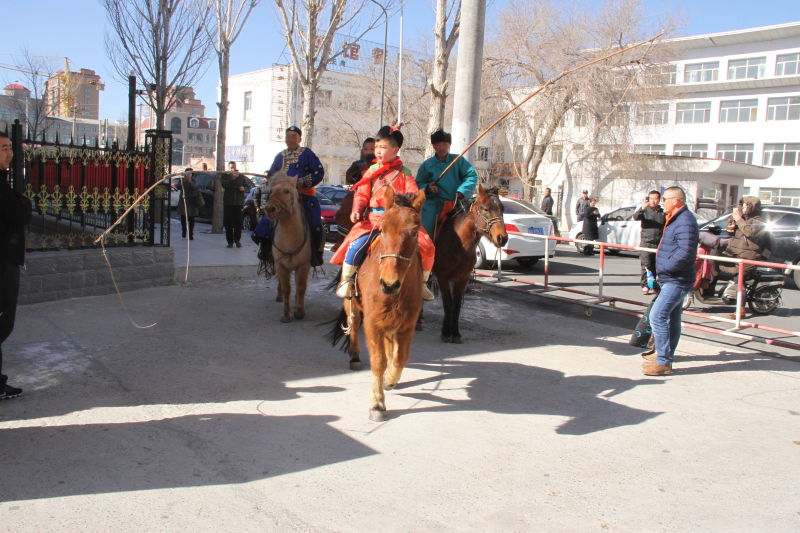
(488, 221)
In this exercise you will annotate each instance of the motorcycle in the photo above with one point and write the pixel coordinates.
(762, 287)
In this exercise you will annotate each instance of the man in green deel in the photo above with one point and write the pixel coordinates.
(459, 182)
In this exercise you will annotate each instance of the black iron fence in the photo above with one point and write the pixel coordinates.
(79, 190)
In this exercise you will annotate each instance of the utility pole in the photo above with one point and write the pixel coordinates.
(131, 112)
(400, 71)
(467, 93)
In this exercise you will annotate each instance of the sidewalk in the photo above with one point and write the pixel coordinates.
(220, 418)
(208, 255)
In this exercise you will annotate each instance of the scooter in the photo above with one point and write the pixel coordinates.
(762, 287)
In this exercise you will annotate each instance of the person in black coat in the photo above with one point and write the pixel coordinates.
(590, 216)
(652, 217)
(15, 213)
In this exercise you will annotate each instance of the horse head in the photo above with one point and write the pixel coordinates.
(398, 241)
(283, 197)
(489, 210)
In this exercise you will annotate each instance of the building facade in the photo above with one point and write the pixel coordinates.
(74, 94)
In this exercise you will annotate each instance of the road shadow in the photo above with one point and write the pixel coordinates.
(187, 451)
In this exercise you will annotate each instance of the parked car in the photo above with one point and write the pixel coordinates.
(329, 210)
(334, 193)
(783, 224)
(205, 182)
(616, 227)
(522, 217)
(538, 210)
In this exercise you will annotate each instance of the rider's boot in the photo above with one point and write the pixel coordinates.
(345, 288)
(730, 290)
(427, 295)
(317, 247)
(265, 249)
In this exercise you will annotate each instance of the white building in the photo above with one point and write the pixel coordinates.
(736, 97)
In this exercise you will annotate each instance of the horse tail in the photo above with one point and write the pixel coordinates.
(337, 333)
(335, 281)
(434, 285)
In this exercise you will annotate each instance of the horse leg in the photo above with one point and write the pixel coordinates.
(301, 282)
(458, 298)
(377, 360)
(447, 304)
(355, 317)
(402, 351)
(278, 294)
(418, 327)
(285, 286)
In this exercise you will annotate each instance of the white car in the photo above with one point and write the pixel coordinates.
(522, 217)
(615, 227)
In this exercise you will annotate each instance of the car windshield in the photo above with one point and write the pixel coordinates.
(517, 206)
(324, 200)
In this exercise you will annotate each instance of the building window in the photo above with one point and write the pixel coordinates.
(581, 118)
(701, 72)
(781, 154)
(783, 108)
(483, 153)
(787, 64)
(746, 69)
(667, 74)
(519, 153)
(693, 113)
(743, 153)
(246, 135)
(653, 149)
(738, 110)
(556, 154)
(649, 115)
(691, 150)
(194, 122)
(324, 98)
(212, 124)
(248, 104)
(619, 116)
(175, 125)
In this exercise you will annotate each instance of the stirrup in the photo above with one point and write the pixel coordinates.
(345, 288)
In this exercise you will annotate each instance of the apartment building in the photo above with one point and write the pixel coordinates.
(735, 98)
(74, 94)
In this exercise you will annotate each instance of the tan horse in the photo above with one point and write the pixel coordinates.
(291, 245)
(388, 293)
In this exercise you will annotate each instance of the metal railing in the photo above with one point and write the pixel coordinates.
(601, 301)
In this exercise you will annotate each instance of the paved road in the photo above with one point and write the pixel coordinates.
(621, 279)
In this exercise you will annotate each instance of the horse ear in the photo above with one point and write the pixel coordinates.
(419, 200)
(481, 190)
(388, 198)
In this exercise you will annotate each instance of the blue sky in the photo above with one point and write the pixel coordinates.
(76, 29)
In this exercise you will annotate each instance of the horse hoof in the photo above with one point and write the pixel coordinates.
(377, 415)
(445, 338)
(389, 386)
(355, 364)
(286, 319)
(456, 340)
(299, 315)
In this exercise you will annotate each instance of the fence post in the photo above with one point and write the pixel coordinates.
(159, 143)
(17, 173)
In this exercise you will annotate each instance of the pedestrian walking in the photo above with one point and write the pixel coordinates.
(15, 213)
(189, 204)
(675, 272)
(236, 187)
(581, 204)
(590, 217)
(547, 202)
(652, 217)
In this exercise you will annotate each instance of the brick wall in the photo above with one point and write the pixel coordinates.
(74, 273)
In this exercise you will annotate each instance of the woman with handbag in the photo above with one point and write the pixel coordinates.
(189, 203)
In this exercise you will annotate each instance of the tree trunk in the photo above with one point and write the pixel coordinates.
(309, 111)
(222, 121)
(441, 60)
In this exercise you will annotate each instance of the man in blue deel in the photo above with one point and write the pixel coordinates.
(300, 162)
(459, 182)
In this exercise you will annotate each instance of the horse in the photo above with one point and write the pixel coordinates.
(387, 298)
(291, 245)
(456, 242)
(342, 220)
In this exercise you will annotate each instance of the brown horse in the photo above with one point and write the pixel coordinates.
(291, 246)
(388, 298)
(455, 253)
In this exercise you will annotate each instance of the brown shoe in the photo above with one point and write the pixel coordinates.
(649, 356)
(654, 369)
(742, 313)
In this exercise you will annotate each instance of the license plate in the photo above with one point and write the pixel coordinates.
(334, 227)
(536, 231)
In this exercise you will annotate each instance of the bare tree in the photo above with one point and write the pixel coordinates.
(528, 51)
(162, 42)
(32, 108)
(309, 34)
(230, 18)
(446, 10)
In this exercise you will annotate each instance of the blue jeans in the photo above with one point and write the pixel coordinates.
(358, 248)
(665, 319)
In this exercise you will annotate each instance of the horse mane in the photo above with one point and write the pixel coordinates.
(405, 200)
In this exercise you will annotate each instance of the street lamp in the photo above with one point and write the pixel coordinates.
(385, 38)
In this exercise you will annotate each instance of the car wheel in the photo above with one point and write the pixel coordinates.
(765, 300)
(585, 249)
(796, 275)
(528, 262)
(480, 257)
